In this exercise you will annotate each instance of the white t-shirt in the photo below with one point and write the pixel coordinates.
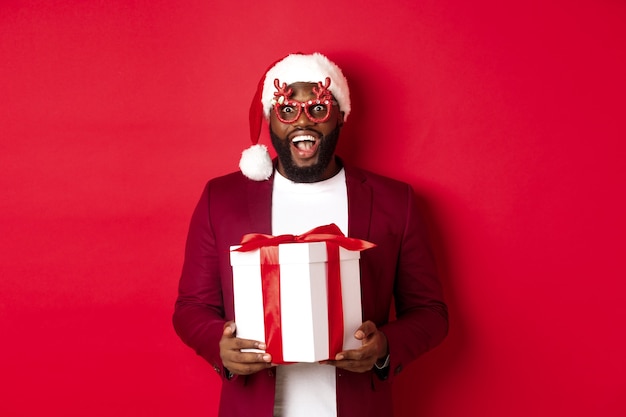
(307, 389)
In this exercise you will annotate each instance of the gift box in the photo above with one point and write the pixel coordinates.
(301, 295)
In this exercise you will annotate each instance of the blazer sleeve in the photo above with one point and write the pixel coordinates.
(199, 310)
(421, 315)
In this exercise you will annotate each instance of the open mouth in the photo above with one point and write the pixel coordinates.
(305, 143)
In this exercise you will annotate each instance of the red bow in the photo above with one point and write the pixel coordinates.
(328, 233)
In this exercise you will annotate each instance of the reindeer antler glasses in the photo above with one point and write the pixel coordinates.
(318, 110)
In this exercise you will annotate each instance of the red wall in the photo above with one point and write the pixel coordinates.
(507, 118)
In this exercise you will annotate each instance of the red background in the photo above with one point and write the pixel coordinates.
(508, 119)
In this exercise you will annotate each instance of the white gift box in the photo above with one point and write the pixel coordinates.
(304, 299)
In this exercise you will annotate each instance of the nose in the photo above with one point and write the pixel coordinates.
(303, 120)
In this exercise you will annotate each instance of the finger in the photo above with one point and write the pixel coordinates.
(365, 330)
(350, 365)
(367, 352)
(244, 368)
(249, 357)
(353, 355)
(251, 369)
(229, 328)
(235, 343)
(244, 363)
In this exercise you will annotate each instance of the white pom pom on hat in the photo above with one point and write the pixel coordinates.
(255, 162)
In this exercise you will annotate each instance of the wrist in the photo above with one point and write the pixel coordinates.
(382, 363)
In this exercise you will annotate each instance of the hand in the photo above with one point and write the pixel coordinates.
(374, 347)
(238, 362)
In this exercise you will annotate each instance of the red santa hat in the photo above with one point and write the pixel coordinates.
(255, 162)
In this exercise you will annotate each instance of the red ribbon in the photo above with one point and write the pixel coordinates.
(328, 233)
(270, 275)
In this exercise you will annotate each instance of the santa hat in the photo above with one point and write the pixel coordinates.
(255, 162)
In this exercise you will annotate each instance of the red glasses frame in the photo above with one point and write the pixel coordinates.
(282, 98)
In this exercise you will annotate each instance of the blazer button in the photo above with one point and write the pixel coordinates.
(270, 372)
(217, 369)
(398, 369)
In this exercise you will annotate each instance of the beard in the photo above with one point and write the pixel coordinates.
(312, 173)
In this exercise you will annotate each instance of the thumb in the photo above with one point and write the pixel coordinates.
(229, 328)
(365, 330)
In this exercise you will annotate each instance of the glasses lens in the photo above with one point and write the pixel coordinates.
(288, 112)
(318, 111)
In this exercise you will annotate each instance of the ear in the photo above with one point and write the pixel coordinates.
(340, 118)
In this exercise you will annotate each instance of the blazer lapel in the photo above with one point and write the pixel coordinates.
(260, 205)
(359, 204)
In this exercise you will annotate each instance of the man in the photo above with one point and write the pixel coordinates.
(306, 100)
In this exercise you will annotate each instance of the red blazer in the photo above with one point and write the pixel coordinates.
(399, 268)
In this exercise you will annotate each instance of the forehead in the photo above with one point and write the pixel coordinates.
(302, 90)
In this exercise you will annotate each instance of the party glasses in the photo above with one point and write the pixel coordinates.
(318, 110)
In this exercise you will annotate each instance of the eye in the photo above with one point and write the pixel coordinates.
(318, 108)
(288, 109)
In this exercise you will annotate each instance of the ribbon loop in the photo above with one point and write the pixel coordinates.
(327, 233)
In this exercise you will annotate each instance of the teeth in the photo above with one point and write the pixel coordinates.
(304, 138)
(304, 142)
